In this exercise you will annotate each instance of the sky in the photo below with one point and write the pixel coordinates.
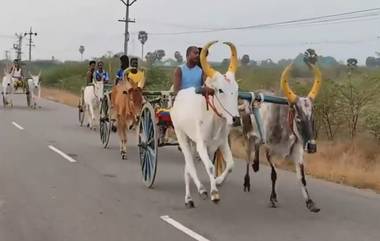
(63, 26)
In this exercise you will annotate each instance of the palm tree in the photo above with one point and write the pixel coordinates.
(81, 51)
(143, 37)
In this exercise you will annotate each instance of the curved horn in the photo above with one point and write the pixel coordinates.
(234, 59)
(208, 70)
(317, 82)
(39, 73)
(292, 97)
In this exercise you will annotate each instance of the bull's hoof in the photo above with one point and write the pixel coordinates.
(273, 201)
(255, 166)
(215, 197)
(219, 181)
(203, 194)
(124, 156)
(114, 128)
(312, 207)
(190, 204)
(272, 204)
(247, 184)
(88, 125)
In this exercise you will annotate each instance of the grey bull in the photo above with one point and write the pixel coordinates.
(286, 131)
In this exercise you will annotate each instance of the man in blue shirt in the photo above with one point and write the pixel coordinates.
(100, 74)
(124, 65)
(189, 74)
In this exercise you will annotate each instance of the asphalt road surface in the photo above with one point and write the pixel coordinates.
(89, 193)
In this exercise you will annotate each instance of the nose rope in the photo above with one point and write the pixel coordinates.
(220, 103)
(212, 105)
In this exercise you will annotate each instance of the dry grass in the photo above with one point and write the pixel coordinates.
(351, 163)
(60, 96)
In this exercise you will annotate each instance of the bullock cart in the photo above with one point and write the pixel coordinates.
(155, 120)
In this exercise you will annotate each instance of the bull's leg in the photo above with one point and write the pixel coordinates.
(121, 130)
(88, 115)
(299, 163)
(190, 170)
(227, 154)
(125, 139)
(247, 180)
(252, 148)
(203, 154)
(273, 195)
(92, 116)
(39, 95)
(256, 160)
(189, 203)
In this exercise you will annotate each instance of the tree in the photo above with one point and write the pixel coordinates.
(356, 94)
(160, 54)
(371, 62)
(284, 62)
(372, 122)
(245, 60)
(352, 64)
(150, 58)
(81, 51)
(143, 37)
(178, 57)
(268, 63)
(328, 110)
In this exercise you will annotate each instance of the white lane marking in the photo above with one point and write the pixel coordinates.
(17, 125)
(61, 153)
(184, 229)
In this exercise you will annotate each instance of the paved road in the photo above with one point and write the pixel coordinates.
(43, 196)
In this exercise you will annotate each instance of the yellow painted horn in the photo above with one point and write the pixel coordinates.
(317, 82)
(207, 69)
(234, 59)
(288, 92)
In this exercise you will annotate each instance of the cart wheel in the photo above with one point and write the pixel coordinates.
(105, 122)
(81, 112)
(219, 163)
(148, 144)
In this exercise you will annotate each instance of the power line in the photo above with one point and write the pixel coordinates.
(6, 36)
(332, 18)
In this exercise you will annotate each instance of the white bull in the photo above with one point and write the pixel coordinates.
(92, 97)
(7, 89)
(34, 89)
(207, 128)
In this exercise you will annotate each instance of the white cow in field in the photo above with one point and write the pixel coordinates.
(92, 97)
(34, 89)
(207, 128)
(7, 89)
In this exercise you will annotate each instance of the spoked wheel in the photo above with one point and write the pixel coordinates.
(105, 124)
(148, 144)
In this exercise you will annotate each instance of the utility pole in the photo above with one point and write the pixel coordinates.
(7, 59)
(7, 55)
(30, 43)
(128, 4)
(18, 46)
